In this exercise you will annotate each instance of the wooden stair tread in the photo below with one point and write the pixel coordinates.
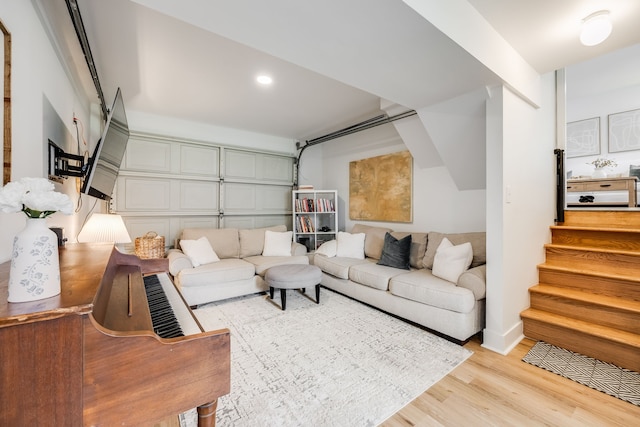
(588, 297)
(587, 272)
(602, 332)
(593, 249)
(595, 228)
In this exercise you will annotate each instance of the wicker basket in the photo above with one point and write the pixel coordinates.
(150, 246)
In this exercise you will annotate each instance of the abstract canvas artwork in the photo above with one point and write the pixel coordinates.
(380, 188)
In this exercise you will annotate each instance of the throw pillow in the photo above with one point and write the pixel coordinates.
(350, 245)
(396, 253)
(451, 261)
(199, 251)
(328, 249)
(277, 243)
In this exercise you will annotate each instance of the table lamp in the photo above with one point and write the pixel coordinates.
(105, 228)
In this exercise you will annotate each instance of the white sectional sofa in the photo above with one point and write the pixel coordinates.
(456, 310)
(241, 266)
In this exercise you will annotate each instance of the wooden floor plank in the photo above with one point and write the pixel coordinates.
(491, 389)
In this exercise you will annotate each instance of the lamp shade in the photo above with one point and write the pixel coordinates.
(595, 28)
(104, 228)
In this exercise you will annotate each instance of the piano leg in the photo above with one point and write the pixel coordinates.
(207, 414)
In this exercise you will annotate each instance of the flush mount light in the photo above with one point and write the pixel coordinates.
(595, 28)
(264, 79)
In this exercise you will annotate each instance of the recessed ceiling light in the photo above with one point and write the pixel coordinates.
(595, 28)
(264, 80)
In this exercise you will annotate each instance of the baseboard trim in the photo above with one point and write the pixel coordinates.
(503, 343)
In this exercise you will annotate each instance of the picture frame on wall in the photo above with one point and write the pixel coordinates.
(583, 138)
(624, 131)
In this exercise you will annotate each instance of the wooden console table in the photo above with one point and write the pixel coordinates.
(627, 183)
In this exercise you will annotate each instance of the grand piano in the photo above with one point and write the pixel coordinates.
(93, 355)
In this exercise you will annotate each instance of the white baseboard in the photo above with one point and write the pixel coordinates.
(502, 343)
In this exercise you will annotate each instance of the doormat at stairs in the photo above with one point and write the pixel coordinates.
(605, 377)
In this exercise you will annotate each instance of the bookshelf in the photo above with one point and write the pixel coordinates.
(313, 212)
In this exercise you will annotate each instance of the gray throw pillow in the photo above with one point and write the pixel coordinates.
(396, 253)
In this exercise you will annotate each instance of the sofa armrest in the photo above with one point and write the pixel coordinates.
(475, 279)
(298, 249)
(178, 261)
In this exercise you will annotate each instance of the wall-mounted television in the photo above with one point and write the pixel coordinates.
(103, 166)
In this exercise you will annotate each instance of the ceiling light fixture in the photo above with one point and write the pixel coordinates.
(264, 80)
(595, 28)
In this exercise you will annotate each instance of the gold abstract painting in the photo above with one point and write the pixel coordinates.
(380, 188)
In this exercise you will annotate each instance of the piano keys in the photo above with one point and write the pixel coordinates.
(90, 356)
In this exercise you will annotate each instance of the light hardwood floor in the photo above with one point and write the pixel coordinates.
(489, 389)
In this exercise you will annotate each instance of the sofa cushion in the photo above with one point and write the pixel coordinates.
(451, 261)
(374, 239)
(277, 243)
(263, 263)
(329, 248)
(424, 287)
(199, 251)
(395, 252)
(252, 240)
(475, 279)
(373, 275)
(477, 240)
(178, 261)
(225, 270)
(418, 246)
(336, 266)
(224, 241)
(350, 245)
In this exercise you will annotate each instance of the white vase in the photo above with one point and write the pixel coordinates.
(599, 173)
(35, 267)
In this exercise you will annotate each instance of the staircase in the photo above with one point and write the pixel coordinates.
(588, 298)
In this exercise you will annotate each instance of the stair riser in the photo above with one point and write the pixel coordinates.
(622, 219)
(604, 262)
(619, 354)
(583, 310)
(596, 239)
(595, 284)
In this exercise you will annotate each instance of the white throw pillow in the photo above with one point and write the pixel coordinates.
(328, 249)
(451, 261)
(277, 243)
(199, 251)
(350, 245)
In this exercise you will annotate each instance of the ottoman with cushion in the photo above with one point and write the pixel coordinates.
(293, 276)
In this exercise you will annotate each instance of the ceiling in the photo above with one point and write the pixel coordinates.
(332, 62)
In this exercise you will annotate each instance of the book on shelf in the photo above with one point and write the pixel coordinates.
(304, 224)
(324, 205)
(305, 187)
(305, 205)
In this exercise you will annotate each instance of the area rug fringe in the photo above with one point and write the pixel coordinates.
(339, 363)
(604, 377)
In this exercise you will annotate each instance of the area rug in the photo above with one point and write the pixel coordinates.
(339, 363)
(605, 377)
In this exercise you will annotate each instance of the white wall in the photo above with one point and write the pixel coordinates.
(36, 73)
(437, 204)
(520, 206)
(601, 105)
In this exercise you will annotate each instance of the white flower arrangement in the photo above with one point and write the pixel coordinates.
(35, 197)
(603, 163)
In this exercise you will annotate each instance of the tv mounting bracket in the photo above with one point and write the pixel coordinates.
(64, 165)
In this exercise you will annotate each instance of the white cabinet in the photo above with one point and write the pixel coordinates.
(315, 217)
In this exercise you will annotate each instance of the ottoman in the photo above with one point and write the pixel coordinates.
(293, 276)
